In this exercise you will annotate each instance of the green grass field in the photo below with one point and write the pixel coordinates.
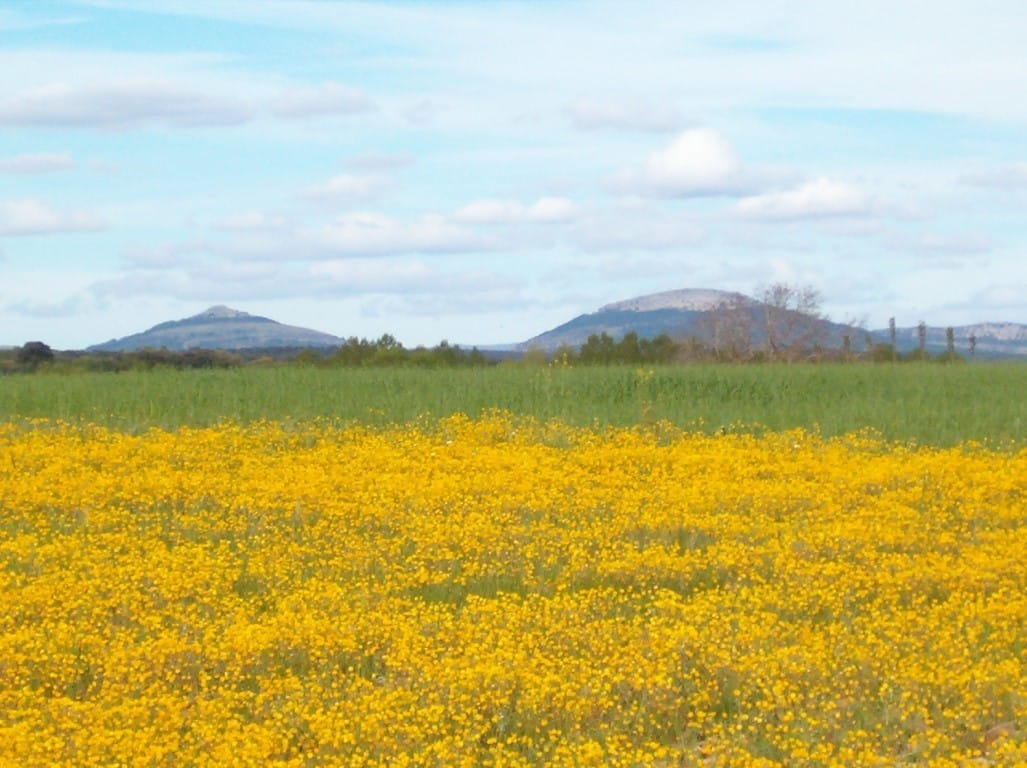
(924, 402)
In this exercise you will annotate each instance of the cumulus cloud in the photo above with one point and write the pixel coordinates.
(587, 115)
(1007, 176)
(32, 217)
(820, 198)
(697, 163)
(322, 100)
(349, 188)
(121, 105)
(545, 210)
(41, 162)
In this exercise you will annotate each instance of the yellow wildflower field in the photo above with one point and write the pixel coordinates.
(502, 592)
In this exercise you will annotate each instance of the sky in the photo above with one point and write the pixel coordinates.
(480, 171)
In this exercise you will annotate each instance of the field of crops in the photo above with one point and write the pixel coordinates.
(508, 591)
(930, 403)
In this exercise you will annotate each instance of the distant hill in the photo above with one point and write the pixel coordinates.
(679, 314)
(676, 313)
(220, 327)
(688, 313)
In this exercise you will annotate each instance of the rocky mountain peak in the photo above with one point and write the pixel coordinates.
(220, 311)
(688, 299)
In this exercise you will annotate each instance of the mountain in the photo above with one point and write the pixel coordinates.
(694, 313)
(690, 313)
(676, 313)
(220, 327)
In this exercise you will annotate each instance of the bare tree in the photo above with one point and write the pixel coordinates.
(728, 328)
(793, 325)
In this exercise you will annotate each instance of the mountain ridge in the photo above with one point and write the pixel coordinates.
(681, 314)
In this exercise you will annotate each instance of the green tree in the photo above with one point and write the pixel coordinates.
(32, 354)
(628, 349)
(598, 350)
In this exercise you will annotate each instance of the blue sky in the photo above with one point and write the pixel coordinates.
(483, 171)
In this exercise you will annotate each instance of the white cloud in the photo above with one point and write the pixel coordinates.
(349, 188)
(322, 100)
(255, 237)
(134, 103)
(945, 57)
(1007, 176)
(963, 244)
(632, 228)
(369, 274)
(163, 255)
(338, 278)
(476, 295)
(370, 233)
(422, 112)
(697, 163)
(491, 212)
(590, 115)
(31, 217)
(42, 162)
(251, 221)
(121, 105)
(68, 307)
(545, 210)
(1007, 297)
(552, 209)
(820, 198)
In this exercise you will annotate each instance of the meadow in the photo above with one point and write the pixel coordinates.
(773, 566)
(931, 403)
